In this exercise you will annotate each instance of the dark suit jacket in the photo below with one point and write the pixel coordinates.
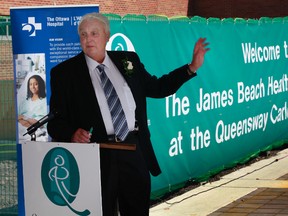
(73, 97)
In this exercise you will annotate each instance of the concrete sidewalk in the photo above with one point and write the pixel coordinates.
(258, 189)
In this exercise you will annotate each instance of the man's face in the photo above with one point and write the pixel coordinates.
(93, 39)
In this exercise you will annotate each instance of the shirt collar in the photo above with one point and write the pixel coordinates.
(92, 64)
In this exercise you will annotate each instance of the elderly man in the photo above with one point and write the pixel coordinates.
(107, 91)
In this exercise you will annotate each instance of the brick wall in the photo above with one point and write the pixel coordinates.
(204, 8)
(121, 7)
(6, 64)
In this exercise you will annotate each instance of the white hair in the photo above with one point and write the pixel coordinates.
(97, 16)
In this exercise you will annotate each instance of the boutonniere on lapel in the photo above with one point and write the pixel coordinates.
(128, 66)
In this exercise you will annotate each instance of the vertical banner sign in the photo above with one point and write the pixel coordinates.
(42, 37)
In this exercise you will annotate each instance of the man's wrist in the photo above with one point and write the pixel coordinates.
(190, 71)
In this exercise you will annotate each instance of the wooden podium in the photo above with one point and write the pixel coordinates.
(119, 146)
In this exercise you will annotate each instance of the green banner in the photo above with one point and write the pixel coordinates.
(234, 108)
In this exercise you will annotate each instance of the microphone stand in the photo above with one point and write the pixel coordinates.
(32, 133)
(33, 136)
(32, 129)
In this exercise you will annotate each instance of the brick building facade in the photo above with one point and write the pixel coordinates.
(121, 7)
(169, 8)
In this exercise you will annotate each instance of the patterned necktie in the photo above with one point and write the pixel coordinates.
(116, 110)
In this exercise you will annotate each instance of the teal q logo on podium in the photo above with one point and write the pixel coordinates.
(61, 179)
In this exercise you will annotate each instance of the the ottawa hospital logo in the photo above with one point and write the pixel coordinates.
(31, 26)
(61, 179)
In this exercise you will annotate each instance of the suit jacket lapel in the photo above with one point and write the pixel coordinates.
(117, 58)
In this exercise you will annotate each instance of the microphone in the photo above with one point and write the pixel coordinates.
(42, 121)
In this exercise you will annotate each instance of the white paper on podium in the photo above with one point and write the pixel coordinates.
(61, 167)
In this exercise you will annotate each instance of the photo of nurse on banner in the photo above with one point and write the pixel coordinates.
(31, 94)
